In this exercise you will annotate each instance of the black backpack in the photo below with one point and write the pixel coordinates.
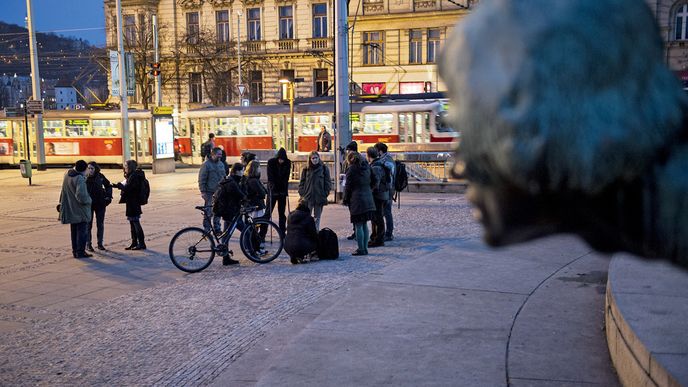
(206, 148)
(328, 244)
(144, 192)
(400, 176)
(219, 201)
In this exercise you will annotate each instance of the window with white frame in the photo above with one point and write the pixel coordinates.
(253, 22)
(415, 46)
(681, 25)
(433, 44)
(286, 22)
(129, 29)
(222, 26)
(192, 27)
(195, 88)
(320, 20)
(373, 48)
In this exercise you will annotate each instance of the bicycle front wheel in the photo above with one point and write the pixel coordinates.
(261, 241)
(192, 249)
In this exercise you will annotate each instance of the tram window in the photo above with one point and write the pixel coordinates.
(105, 128)
(378, 123)
(310, 125)
(76, 128)
(256, 126)
(225, 126)
(3, 128)
(442, 125)
(53, 128)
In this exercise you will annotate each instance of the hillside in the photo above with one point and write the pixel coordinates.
(64, 58)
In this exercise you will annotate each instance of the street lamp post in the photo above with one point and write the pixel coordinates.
(239, 47)
(290, 96)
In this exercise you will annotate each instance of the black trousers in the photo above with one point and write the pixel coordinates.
(79, 233)
(99, 215)
(377, 236)
(281, 202)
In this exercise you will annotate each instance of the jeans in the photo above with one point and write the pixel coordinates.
(317, 213)
(389, 220)
(207, 201)
(79, 233)
(99, 215)
(362, 236)
(281, 201)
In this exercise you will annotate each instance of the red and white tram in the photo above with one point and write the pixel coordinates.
(96, 135)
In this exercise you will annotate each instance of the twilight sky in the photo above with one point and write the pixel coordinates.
(75, 18)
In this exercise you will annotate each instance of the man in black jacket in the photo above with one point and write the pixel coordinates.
(279, 172)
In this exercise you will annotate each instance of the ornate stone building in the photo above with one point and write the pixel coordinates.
(393, 47)
(672, 17)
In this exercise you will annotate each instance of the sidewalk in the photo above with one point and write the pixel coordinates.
(433, 307)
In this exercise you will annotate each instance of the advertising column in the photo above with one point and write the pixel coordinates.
(163, 140)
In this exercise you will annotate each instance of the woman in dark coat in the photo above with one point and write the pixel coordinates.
(100, 189)
(279, 172)
(131, 196)
(301, 238)
(315, 185)
(358, 195)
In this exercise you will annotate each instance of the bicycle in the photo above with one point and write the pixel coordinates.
(192, 249)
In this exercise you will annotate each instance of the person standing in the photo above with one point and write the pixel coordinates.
(209, 176)
(279, 172)
(207, 147)
(350, 147)
(388, 161)
(75, 207)
(100, 190)
(315, 185)
(380, 196)
(324, 140)
(131, 195)
(359, 197)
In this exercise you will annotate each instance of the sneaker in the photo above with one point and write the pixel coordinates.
(84, 255)
(100, 246)
(89, 247)
(351, 237)
(389, 238)
(226, 260)
(359, 252)
(294, 260)
(139, 247)
(376, 244)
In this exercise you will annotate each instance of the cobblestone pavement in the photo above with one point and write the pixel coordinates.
(131, 318)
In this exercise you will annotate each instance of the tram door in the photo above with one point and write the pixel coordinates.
(19, 141)
(279, 127)
(406, 127)
(140, 140)
(199, 134)
(422, 128)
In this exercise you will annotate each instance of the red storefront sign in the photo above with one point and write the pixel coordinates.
(374, 88)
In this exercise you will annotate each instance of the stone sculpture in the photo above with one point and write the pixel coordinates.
(571, 122)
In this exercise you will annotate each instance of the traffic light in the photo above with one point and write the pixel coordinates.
(155, 69)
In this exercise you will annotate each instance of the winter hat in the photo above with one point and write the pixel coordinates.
(352, 146)
(80, 166)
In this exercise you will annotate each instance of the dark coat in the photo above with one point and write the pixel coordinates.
(75, 202)
(383, 174)
(301, 237)
(100, 189)
(234, 196)
(315, 185)
(279, 174)
(255, 192)
(131, 193)
(357, 192)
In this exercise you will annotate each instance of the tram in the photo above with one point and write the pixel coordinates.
(96, 135)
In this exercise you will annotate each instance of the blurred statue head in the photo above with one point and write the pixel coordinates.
(570, 122)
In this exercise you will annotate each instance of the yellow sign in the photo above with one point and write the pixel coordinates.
(162, 111)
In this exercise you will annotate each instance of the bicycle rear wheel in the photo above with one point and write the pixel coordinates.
(192, 249)
(262, 241)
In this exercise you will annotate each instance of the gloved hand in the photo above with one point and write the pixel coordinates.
(118, 186)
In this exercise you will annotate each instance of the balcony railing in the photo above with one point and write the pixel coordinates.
(320, 44)
(287, 45)
(254, 47)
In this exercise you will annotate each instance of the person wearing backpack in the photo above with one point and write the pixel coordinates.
(301, 237)
(388, 161)
(75, 207)
(358, 196)
(279, 172)
(133, 196)
(207, 147)
(315, 185)
(380, 196)
(209, 176)
(227, 201)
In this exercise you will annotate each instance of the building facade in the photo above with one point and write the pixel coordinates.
(672, 17)
(209, 47)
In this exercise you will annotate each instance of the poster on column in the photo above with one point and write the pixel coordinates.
(164, 138)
